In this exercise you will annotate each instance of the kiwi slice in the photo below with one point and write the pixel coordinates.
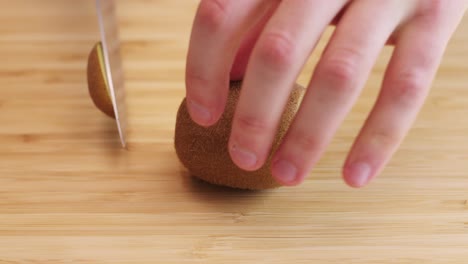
(98, 85)
(203, 151)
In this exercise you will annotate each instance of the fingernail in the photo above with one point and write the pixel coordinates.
(284, 171)
(244, 157)
(201, 113)
(359, 173)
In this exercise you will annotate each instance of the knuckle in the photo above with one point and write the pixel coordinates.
(305, 142)
(340, 67)
(433, 9)
(193, 77)
(251, 124)
(197, 86)
(276, 50)
(409, 88)
(212, 14)
(385, 139)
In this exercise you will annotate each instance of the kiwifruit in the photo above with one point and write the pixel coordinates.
(204, 150)
(97, 81)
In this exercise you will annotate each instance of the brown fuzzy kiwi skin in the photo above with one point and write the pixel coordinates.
(204, 150)
(97, 86)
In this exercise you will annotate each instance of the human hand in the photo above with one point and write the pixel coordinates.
(267, 43)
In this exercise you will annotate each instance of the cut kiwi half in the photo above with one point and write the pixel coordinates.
(98, 84)
(204, 150)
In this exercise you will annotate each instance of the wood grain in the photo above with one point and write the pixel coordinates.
(69, 194)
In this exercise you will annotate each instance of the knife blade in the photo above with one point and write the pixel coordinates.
(108, 28)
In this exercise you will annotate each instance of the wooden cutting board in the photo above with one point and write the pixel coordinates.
(69, 194)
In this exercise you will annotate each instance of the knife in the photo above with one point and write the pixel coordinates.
(110, 42)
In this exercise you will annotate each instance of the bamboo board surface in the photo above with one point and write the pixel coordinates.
(69, 194)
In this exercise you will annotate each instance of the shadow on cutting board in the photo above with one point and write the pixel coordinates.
(223, 198)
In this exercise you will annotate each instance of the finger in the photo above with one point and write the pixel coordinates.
(336, 83)
(216, 34)
(250, 39)
(418, 52)
(243, 54)
(276, 60)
